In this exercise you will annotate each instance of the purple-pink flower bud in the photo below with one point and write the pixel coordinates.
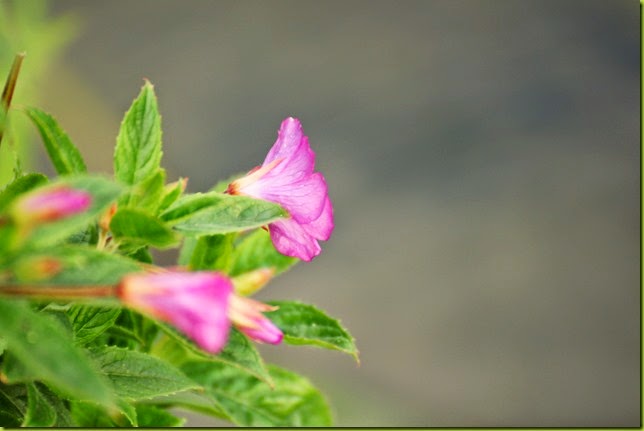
(247, 316)
(195, 302)
(287, 178)
(49, 204)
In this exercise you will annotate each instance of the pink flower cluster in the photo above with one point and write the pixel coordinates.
(202, 305)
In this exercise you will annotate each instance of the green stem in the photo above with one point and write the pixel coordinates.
(9, 88)
(59, 292)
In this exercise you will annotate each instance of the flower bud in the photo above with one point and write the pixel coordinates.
(250, 282)
(48, 204)
(247, 316)
(194, 302)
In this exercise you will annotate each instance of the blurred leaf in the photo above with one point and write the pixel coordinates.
(87, 265)
(305, 324)
(63, 154)
(40, 412)
(212, 252)
(46, 351)
(103, 192)
(292, 402)
(89, 322)
(141, 229)
(172, 192)
(138, 145)
(13, 404)
(198, 402)
(256, 251)
(137, 376)
(216, 213)
(19, 186)
(153, 416)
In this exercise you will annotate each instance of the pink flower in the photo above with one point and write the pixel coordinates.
(287, 178)
(247, 316)
(49, 204)
(200, 304)
(195, 302)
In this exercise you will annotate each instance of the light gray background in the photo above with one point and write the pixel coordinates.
(483, 159)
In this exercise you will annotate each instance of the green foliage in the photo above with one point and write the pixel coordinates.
(63, 154)
(303, 324)
(75, 359)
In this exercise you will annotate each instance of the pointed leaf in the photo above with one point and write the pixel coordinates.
(141, 229)
(138, 145)
(45, 350)
(217, 213)
(40, 412)
(303, 324)
(89, 322)
(63, 154)
(137, 376)
(212, 252)
(292, 402)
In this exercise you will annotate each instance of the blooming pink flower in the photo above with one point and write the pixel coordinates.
(195, 302)
(247, 316)
(50, 203)
(287, 177)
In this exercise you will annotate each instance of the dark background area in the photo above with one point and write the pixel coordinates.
(483, 158)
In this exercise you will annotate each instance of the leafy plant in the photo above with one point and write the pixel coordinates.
(94, 333)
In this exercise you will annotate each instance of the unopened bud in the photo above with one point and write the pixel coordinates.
(37, 268)
(250, 282)
(50, 203)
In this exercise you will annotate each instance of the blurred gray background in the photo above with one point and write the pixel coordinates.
(483, 158)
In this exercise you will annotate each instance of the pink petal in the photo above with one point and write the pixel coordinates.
(304, 199)
(322, 227)
(291, 239)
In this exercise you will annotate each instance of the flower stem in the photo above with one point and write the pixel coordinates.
(9, 87)
(59, 292)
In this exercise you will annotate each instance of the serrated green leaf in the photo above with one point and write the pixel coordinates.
(138, 144)
(40, 412)
(303, 324)
(256, 251)
(89, 322)
(103, 192)
(137, 376)
(248, 401)
(212, 252)
(239, 352)
(153, 416)
(197, 402)
(217, 213)
(172, 192)
(139, 228)
(19, 186)
(63, 154)
(46, 351)
(146, 196)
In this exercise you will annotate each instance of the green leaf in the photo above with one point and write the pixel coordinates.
(303, 324)
(172, 192)
(63, 154)
(103, 192)
(198, 402)
(87, 265)
(46, 351)
(217, 213)
(89, 322)
(138, 376)
(212, 252)
(19, 186)
(40, 412)
(292, 402)
(138, 145)
(239, 352)
(13, 404)
(141, 229)
(256, 251)
(153, 416)
(146, 195)
(87, 414)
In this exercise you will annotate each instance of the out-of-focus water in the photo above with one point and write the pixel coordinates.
(483, 158)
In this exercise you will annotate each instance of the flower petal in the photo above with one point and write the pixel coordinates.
(291, 239)
(322, 227)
